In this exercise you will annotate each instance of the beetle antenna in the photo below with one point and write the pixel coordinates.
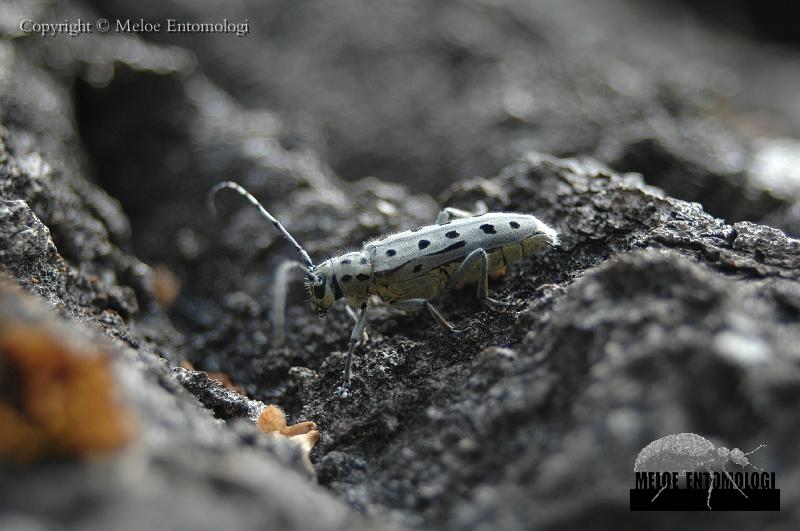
(279, 290)
(759, 447)
(285, 233)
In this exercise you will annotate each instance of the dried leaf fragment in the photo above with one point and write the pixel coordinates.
(272, 421)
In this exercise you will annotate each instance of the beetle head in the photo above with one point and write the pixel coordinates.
(320, 288)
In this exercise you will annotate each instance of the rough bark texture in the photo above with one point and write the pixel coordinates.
(655, 315)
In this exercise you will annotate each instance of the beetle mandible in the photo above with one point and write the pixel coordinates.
(687, 452)
(408, 268)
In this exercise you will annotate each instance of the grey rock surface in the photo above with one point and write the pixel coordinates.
(654, 316)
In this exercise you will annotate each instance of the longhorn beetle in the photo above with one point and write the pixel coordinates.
(408, 268)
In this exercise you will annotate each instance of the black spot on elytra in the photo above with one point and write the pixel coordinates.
(391, 252)
(417, 268)
(514, 224)
(362, 276)
(488, 228)
(423, 244)
(346, 261)
(453, 247)
(452, 234)
(347, 278)
(363, 261)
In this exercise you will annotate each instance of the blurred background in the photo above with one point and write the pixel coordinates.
(702, 99)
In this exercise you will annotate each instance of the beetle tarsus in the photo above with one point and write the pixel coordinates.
(343, 391)
(457, 333)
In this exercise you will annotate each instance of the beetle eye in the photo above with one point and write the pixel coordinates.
(319, 287)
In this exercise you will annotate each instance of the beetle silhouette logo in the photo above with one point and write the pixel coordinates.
(688, 452)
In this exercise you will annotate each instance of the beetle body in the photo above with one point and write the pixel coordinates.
(417, 264)
(410, 267)
(686, 452)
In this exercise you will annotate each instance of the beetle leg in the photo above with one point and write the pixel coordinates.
(732, 481)
(710, 485)
(478, 257)
(279, 290)
(354, 316)
(444, 323)
(358, 330)
(449, 213)
(440, 320)
(658, 493)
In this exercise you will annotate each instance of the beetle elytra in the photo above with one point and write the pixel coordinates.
(408, 268)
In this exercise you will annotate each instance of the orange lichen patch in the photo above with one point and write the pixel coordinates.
(272, 421)
(56, 401)
(166, 285)
(499, 273)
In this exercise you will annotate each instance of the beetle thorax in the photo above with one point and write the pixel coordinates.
(353, 272)
(723, 453)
